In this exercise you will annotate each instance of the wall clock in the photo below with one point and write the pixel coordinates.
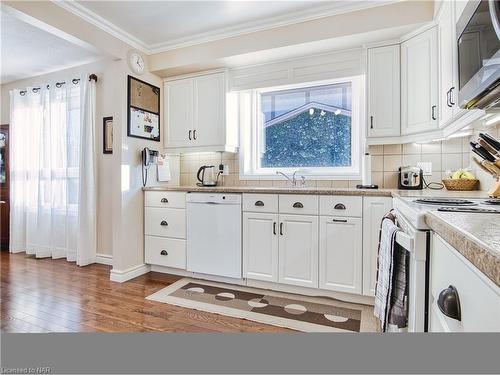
(136, 62)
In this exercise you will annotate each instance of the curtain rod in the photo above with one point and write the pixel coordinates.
(92, 77)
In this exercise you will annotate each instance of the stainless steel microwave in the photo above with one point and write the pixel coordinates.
(478, 38)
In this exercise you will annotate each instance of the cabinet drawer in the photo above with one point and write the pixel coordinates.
(260, 202)
(165, 222)
(298, 204)
(167, 199)
(339, 205)
(479, 298)
(169, 252)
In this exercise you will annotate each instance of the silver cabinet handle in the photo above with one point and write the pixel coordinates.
(339, 206)
(164, 200)
(189, 135)
(371, 122)
(451, 96)
(194, 134)
(274, 228)
(339, 220)
(433, 112)
(448, 98)
(163, 252)
(298, 205)
(164, 223)
(281, 229)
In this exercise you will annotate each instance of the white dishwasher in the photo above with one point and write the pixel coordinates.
(214, 234)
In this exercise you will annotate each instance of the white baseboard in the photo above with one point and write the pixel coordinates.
(104, 259)
(121, 276)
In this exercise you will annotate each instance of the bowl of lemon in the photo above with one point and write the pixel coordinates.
(462, 180)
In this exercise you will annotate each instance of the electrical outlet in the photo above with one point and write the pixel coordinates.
(426, 168)
(224, 169)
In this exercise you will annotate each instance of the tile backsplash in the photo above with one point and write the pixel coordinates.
(444, 155)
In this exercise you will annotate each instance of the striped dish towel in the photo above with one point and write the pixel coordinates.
(391, 289)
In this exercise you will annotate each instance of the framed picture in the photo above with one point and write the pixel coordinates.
(143, 110)
(107, 135)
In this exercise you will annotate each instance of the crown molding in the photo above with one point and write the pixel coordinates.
(103, 24)
(332, 9)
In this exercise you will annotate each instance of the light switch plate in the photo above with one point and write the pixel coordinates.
(426, 168)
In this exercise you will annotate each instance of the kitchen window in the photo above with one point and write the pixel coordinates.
(313, 128)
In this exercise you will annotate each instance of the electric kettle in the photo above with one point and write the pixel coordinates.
(206, 176)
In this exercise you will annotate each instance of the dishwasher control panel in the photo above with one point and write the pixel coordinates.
(216, 198)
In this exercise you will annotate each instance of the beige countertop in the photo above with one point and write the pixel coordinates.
(475, 236)
(276, 190)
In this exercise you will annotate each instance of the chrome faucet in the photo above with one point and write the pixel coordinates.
(293, 180)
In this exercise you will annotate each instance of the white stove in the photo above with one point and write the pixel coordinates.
(414, 237)
(415, 208)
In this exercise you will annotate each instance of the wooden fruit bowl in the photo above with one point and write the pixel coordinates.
(463, 184)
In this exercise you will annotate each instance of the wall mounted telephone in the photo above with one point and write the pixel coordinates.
(148, 157)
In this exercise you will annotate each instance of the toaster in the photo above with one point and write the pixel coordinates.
(410, 178)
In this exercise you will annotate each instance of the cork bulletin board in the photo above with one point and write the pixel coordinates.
(143, 110)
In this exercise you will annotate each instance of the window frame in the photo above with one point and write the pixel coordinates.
(250, 139)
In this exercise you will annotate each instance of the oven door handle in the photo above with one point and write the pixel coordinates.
(406, 241)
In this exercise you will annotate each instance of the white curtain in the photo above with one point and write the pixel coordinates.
(52, 163)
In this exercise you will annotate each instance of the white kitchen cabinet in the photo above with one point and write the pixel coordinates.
(179, 112)
(383, 80)
(374, 209)
(340, 254)
(447, 63)
(298, 250)
(260, 246)
(478, 297)
(201, 115)
(419, 83)
(209, 107)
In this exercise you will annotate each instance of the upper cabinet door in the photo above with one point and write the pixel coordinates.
(298, 250)
(209, 107)
(419, 83)
(178, 108)
(384, 91)
(447, 66)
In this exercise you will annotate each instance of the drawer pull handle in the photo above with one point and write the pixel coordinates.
(298, 205)
(259, 204)
(163, 252)
(339, 220)
(449, 303)
(339, 206)
(164, 200)
(164, 223)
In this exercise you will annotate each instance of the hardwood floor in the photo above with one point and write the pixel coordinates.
(46, 295)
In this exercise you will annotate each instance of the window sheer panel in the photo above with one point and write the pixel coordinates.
(313, 127)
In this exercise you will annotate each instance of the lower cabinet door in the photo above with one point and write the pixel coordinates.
(168, 252)
(374, 209)
(260, 246)
(340, 254)
(298, 250)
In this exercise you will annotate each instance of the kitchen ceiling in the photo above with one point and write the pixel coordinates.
(155, 26)
(28, 51)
